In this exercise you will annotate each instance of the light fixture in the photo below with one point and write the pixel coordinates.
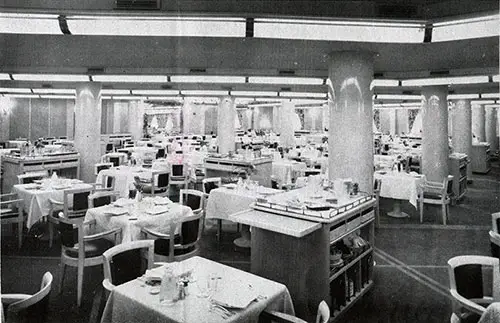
(462, 96)
(340, 30)
(155, 92)
(106, 97)
(165, 98)
(262, 105)
(128, 98)
(21, 95)
(115, 92)
(15, 90)
(28, 23)
(490, 95)
(285, 80)
(157, 26)
(471, 28)
(446, 81)
(51, 77)
(130, 78)
(4, 76)
(254, 93)
(206, 79)
(384, 83)
(496, 78)
(398, 97)
(397, 106)
(479, 102)
(303, 95)
(54, 91)
(204, 92)
(492, 106)
(55, 96)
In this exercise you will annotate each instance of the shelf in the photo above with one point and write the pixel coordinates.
(351, 231)
(351, 302)
(350, 264)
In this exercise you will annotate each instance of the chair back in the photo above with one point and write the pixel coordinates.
(115, 161)
(100, 166)
(68, 231)
(163, 180)
(191, 198)
(209, 184)
(323, 315)
(191, 228)
(126, 261)
(33, 309)
(160, 153)
(102, 198)
(178, 170)
(377, 184)
(449, 185)
(109, 147)
(80, 201)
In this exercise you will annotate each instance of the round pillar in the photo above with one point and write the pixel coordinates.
(478, 120)
(462, 130)
(350, 135)
(287, 137)
(88, 128)
(136, 119)
(225, 125)
(435, 151)
(490, 126)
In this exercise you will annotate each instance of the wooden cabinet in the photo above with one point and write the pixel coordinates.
(480, 159)
(457, 165)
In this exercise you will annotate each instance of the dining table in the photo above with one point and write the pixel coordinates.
(233, 198)
(399, 186)
(36, 196)
(124, 177)
(285, 170)
(214, 293)
(131, 215)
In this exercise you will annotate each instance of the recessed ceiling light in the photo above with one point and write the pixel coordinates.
(130, 78)
(51, 77)
(446, 81)
(206, 79)
(285, 80)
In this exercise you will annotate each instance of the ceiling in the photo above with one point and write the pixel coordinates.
(243, 56)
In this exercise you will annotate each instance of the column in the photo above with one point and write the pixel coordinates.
(135, 119)
(70, 119)
(87, 126)
(462, 130)
(225, 125)
(276, 119)
(435, 151)
(478, 123)
(490, 126)
(186, 116)
(287, 134)
(350, 136)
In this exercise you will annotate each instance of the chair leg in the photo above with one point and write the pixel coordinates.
(19, 234)
(421, 212)
(443, 211)
(51, 233)
(377, 215)
(61, 277)
(219, 229)
(80, 284)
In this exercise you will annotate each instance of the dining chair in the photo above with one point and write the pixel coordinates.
(109, 148)
(158, 184)
(30, 177)
(438, 194)
(73, 236)
(101, 198)
(471, 294)
(126, 261)
(11, 212)
(377, 184)
(178, 175)
(323, 316)
(495, 235)
(74, 204)
(24, 308)
(100, 166)
(160, 153)
(107, 183)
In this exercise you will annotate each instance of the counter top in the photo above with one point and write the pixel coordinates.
(277, 223)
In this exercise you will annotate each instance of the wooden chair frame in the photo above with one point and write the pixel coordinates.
(440, 189)
(114, 195)
(15, 217)
(106, 165)
(153, 182)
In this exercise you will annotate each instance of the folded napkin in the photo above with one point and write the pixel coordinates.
(234, 297)
(122, 202)
(158, 210)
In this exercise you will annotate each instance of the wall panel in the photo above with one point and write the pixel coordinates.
(39, 118)
(58, 112)
(19, 119)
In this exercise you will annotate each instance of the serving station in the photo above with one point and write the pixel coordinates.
(67, 164)
(293, 238)
(259, 168)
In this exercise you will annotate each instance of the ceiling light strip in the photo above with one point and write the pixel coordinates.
(206, 79)
(446, 81)
(156, 92)
(473, 28)
(285, 80)
(51, 77)
(130, 78)
(303, 95)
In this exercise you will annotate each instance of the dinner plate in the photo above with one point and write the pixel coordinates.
(157, 210)
(61, 187)
(230, 186)
(116, 211)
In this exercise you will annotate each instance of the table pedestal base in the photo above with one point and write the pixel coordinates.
(244, 241)
(396, 211)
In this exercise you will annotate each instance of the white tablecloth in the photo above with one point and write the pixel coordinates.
(223, 202)
(124, 177)
(400, 185)
(131, 302)
(137, 218)
(36, 201)
(282, 167)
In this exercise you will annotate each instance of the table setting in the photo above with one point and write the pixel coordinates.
(203, 291)
(36, 195)
(155, 213)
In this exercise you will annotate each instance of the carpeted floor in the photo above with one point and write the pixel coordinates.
(411, 278)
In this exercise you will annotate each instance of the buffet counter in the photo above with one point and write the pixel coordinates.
(293, 234)
(67, 164)
(259, 169)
